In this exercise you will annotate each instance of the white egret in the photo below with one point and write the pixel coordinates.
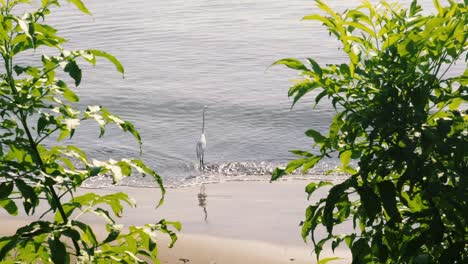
(201, 144)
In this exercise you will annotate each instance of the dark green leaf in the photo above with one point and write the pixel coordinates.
(5, 189)
(360, 251)
(58, 252)
(74, 71)
(127, 126)
(113, 235)
(30, 197)
(388, 193)
(370, 201)
(315, 67)
(72, 234)
(334, 195)
(93, 171)
(277, 173)
(318, 138)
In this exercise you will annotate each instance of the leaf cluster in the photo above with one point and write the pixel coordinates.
(404, 121)
(35, 105)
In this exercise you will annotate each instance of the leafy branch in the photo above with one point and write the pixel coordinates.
(405, 125)
(32, 172)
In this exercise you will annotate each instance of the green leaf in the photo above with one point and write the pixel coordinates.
(104, 214)
(79, 4)
(277, 173)
(93, 171)
(326, 260)
(113, 234)
(311, 187)
(415, 8)
(318, 138)
(68, 208)
(74, 71)
(294, 164)
(455, 103)
(345, 157)
(326, 21)
(7, 244)
(310, 163)
(71, 233)
(24, 26)
(176, 225)
(114, 201)
(370, 201)
(291, 63)
(302, 153)
(142, 168)
(326, 8)
(58, 252)
(388, 193)
(334, 195)
(9, 206)
(335, 126)
(89, 236)
(127, 126)
(438, 7)
(316, 67)
(109, 57)
(5, 189)
(360, 250)
(300, 89)
(29, 195)
(67, 92)
(361, 27)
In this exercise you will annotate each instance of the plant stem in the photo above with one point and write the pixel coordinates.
(33, 145)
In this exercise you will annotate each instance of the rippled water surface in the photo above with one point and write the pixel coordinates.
(181, 55)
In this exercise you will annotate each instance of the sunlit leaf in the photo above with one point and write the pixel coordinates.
(345, 157)
(327, 260)
(109, 57)
(79, 4)
(9, 206)
(291, 63)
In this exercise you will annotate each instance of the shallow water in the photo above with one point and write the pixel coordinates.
(181, 55)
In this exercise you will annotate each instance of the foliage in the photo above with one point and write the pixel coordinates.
(35, 104)
(404, 122)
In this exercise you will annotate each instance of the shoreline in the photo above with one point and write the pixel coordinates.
(246, 222)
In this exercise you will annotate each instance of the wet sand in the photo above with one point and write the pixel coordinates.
(237, 222)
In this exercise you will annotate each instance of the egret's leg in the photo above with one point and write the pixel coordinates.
(202, 162)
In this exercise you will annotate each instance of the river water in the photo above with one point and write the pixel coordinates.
(181, 55)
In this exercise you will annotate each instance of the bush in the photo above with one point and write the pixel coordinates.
(403, 119)
(35, 104)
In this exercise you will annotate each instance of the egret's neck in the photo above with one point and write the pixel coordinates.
(203, 123)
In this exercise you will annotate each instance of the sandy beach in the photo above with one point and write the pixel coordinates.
(245, 222)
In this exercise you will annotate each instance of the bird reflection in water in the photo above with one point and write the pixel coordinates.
(202, 200)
